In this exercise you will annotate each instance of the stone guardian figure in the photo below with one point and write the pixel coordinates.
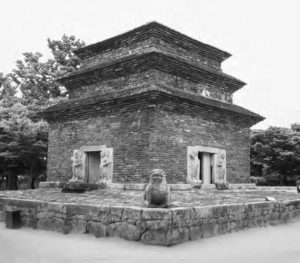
(194, 169)
(157, 192)
(78, 159)
(105, 166)
(221, 167)
(220, 180)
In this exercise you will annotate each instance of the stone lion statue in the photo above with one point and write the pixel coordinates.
(157, 192)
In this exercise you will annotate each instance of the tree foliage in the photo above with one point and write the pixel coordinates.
(36, 80)
(29, 88)
(277, 151)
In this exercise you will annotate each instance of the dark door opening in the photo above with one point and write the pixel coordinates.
(206, 167)
(201, 171)
(93, 163)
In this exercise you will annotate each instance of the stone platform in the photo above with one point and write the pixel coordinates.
(110, 212)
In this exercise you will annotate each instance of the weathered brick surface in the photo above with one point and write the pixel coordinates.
(149, 138)
(144, 62)
(151, 77)
(152, 44)
(155, 33)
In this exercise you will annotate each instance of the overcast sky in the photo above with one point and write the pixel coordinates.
(263, 37)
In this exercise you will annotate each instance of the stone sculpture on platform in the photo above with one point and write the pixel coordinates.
(105, 167)
(157, 192)
(221, 167)
(194, 169)
(220, 179)
(78, 159)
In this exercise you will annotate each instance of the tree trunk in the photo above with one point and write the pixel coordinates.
(1, 181)
(32, 176)
(283, 179)
(31, 181)
(12, 180)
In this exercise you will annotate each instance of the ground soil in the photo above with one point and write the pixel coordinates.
(274, 244)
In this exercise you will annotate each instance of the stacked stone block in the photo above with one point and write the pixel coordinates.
(164, 227)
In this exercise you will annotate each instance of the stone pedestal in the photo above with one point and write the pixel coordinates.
(78, 187)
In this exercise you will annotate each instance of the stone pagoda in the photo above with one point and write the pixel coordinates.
(150, 98)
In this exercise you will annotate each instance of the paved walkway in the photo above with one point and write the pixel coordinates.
(274, 244)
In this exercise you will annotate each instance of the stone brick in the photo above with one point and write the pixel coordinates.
(116, 213)
(75, 225)
(178, 235)
(196, 232)
(96, 228)
(132, 214)
(181, 217)
(155, 237)
(155, 224)
(203, 212)
(44, 223)
(156, 214)
(124, 230)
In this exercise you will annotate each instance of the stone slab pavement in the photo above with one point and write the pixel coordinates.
(114, 197)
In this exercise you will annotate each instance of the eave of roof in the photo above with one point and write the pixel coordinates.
(151, 60)
(153, 29)
(156, 91)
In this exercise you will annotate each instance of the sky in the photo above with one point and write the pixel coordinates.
(262, 36)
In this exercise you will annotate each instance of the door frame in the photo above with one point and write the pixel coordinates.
(204, 149)
(86, 149)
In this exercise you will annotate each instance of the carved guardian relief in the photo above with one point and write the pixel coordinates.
(106, 164)
(193, 168)
(78, 162)
(220, 175)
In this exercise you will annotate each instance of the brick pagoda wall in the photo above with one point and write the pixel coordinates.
(126, 132)
(149, 137)
(174, 133)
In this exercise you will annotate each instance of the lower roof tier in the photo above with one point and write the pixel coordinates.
(153, 96)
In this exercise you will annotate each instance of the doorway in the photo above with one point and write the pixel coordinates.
(92, 167)
(206, 167)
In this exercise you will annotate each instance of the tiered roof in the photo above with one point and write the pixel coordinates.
(151, 46)
(153, 30)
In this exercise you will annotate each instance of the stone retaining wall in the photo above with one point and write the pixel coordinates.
(152, 226)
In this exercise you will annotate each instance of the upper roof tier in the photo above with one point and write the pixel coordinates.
(177, 59)
(153, 35)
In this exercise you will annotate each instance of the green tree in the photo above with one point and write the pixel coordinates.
(8, 162)
(277, 150)
(28, 89)
(23, 142)
(36, 80)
